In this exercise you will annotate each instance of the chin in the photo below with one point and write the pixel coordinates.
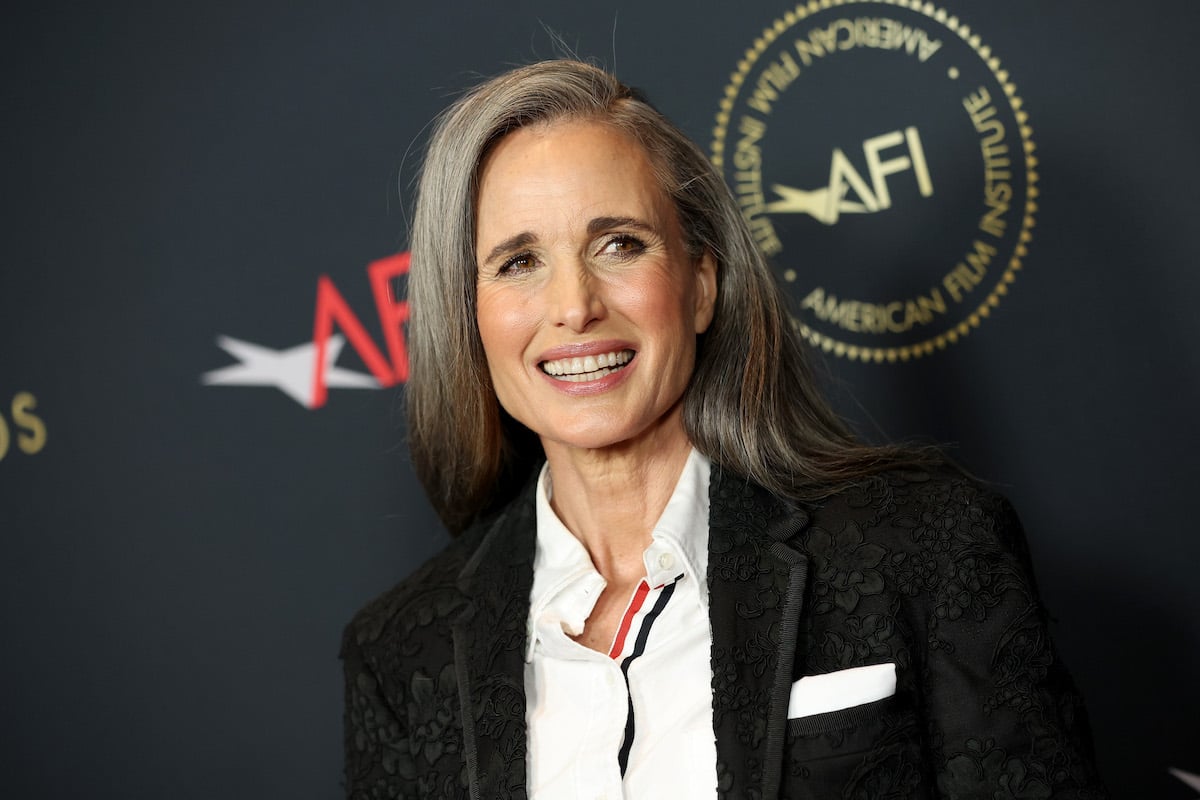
(582, 441)
(603, 435)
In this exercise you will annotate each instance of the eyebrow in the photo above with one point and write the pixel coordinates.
(601, 224)
(521, 240)
(596, 226)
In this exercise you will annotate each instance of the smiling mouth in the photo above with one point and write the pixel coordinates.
(588, 368)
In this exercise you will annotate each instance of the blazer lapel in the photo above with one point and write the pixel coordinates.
(489, 647)
(756, 589)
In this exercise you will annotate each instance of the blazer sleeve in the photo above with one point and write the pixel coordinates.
(1004, 717)
(379, 763)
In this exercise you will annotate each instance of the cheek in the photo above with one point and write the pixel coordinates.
(503, 327)
(665, 304)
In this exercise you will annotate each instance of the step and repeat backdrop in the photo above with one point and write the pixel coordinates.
(984, 214)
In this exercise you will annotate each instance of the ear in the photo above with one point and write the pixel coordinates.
(706, 290)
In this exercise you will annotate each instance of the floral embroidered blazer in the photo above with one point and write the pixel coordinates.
(928, 572)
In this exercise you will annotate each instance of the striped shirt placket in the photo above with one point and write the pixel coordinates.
(639, 647)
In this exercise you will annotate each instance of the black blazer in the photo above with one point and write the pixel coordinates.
(927, 572)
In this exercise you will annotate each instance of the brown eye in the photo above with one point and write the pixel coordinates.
(516, 264)
(623, 245)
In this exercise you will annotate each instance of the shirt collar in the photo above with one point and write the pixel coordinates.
(563, 574)
(681, 533)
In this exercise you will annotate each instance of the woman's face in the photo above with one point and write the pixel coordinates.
(588, 302)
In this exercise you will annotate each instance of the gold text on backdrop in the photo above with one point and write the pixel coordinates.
(884, 162)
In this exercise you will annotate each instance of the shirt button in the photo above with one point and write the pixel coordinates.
(666, 561)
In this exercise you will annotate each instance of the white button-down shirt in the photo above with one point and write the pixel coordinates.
(655, 684)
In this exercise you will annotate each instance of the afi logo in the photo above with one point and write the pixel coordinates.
(305, 372)
(827, 203)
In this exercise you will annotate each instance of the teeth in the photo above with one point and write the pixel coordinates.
(586, 376)
(588, 368)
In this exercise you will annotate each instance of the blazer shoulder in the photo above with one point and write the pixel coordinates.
(961, 503)
(430, 594)
(938, 508)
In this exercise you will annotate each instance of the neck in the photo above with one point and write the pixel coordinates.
(610, 498)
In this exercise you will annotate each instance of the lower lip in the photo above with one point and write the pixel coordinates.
(587, 388)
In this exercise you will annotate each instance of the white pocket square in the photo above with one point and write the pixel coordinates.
(834, 691)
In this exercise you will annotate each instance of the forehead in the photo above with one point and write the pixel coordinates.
(569, 167)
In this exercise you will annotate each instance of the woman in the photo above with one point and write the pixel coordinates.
(675, 573)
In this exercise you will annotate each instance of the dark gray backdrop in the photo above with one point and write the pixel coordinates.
(177, 560)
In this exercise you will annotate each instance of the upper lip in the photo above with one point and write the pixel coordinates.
(582, 349)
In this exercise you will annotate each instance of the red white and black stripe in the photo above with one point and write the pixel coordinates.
(642, 635)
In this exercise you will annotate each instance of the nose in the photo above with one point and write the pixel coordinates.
(574, 298)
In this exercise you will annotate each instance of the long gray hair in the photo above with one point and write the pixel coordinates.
(752, 404)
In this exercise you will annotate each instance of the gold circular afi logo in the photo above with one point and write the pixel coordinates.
(884, 163)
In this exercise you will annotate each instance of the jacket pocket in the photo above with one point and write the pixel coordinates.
(871, 750)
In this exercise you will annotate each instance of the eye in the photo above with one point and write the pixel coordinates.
(517, 264)
(623, 244)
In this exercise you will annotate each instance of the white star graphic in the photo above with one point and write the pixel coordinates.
(1187, 777)
(290, 370)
